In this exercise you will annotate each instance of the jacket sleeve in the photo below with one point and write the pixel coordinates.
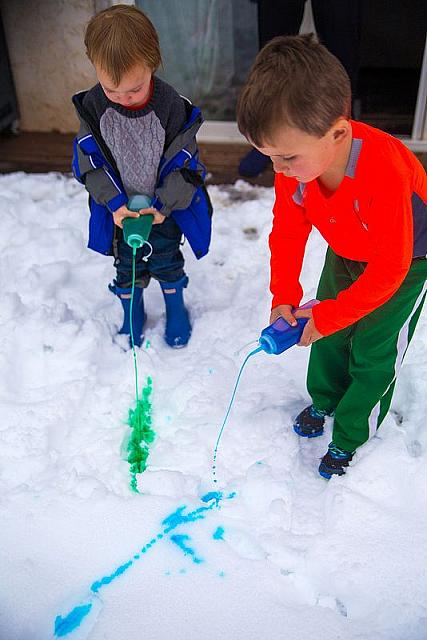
(181, 175)
(391, 232)
(177, 190)
(287, 241)
(91, 169)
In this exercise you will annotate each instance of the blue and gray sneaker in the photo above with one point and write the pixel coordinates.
(310, 422)
(334, 461)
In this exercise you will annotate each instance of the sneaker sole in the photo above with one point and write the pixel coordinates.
(325, 474)
(315, 434)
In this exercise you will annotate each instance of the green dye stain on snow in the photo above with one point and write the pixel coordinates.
(142, 434)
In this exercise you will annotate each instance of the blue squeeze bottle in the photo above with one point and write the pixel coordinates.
(280, 335)
(137, 230)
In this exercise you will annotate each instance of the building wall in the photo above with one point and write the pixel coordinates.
(49, 64)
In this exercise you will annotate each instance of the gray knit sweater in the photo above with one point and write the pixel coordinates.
(137, 138)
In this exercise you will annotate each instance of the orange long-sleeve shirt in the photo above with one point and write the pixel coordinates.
(378, 215)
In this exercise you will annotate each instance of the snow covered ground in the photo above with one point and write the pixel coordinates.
(286, 555)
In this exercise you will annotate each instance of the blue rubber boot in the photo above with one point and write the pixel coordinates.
(253, 164)
(138, 314)
(178, 327)
(335, 461)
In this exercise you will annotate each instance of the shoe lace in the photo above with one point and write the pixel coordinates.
(317, 413)
(338, 453)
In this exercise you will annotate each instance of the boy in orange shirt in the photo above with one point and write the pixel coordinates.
(366, 193)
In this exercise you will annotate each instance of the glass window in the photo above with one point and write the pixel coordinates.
(207, 47)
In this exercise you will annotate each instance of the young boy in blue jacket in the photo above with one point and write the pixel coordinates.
(137, 136)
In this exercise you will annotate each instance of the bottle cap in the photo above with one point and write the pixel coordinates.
(267, 344)
(134, 240)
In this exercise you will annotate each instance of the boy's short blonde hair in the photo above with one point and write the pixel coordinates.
(118, 38)
(297, 82)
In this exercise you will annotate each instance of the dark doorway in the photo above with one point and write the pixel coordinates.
(392, 46)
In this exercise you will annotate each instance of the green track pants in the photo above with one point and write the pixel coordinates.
(353, 371)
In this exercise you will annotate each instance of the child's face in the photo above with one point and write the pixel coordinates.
(305, 157)
(133, 88)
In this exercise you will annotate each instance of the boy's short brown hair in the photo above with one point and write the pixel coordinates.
(119, 37)
(297, 82)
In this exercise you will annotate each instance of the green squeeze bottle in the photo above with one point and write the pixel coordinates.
(137, 230)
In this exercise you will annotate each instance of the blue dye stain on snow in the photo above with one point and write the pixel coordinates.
(219, 534)
(64, 626)
(180, 541)
(221, 574)
(179, 517)
(216, 496)
(107, 579)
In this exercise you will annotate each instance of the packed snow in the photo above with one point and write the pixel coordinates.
(284, 554)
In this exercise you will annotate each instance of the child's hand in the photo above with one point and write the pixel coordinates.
(310, 333)
(284, 310)
(158, 217)
(123, 212)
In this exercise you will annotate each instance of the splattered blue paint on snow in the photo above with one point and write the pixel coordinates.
(218, 534)
(66, 625)
(180, 541)
(107, 579)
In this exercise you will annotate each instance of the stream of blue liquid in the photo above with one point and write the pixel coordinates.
(252, 353)
(66, 625)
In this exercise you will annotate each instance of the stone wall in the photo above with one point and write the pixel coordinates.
(49, 64)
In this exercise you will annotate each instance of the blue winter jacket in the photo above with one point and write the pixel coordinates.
(180, 190)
